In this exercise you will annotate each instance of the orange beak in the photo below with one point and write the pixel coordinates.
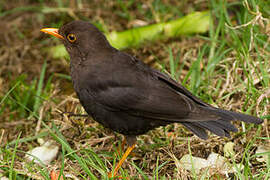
(52, 31)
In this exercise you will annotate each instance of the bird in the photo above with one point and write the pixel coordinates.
(127, 96)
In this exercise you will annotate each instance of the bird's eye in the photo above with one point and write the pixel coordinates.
(71, 38)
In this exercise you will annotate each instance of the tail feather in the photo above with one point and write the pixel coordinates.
(235, 116)
(197, 130)
(226, 125)
(222, 126)
(209, 125)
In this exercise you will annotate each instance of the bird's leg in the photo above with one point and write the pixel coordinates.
(128, 151)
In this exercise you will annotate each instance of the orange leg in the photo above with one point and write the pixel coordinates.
(129, 149)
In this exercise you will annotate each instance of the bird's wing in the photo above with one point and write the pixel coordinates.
(223, 115)
(148, 93)
(178, 87)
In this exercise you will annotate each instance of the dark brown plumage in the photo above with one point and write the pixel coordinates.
(125, 95)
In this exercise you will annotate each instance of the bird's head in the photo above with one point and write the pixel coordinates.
(80, 38)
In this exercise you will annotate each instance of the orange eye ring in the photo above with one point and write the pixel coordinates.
(71, 38)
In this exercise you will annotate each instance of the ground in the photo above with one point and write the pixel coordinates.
(35, 89)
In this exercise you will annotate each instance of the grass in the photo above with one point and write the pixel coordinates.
(227, 67)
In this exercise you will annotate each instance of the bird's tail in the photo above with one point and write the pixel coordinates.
(235, 116)
(222, 126)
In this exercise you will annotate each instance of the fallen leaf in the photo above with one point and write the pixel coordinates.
(43, 154)
(263, 153)
(228, 149)
(189, 162)
(55, 175)
(214, 163)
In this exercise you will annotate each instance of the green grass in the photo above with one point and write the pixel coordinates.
(227, 67)
(24, 98)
